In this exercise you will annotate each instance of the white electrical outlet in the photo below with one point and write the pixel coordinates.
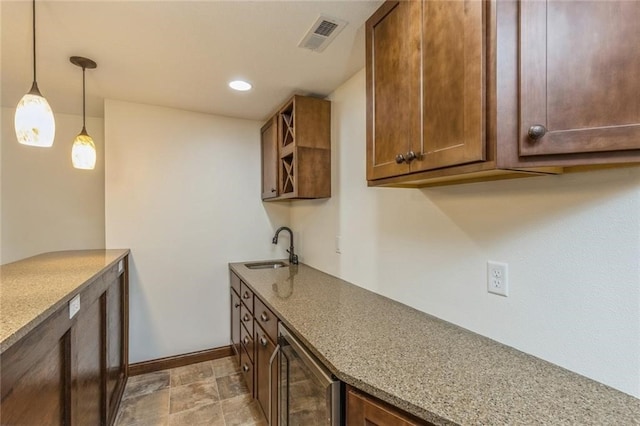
(497, 278)
(74, 306)
(338, 244)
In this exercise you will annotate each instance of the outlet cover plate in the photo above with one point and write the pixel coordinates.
(497, 278)
(74, 306)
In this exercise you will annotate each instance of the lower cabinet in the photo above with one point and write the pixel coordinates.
(116, 324)
(248, 371)
(71, 371)
(88, 338)
(254, 332)
(266, 383)
(365, 410)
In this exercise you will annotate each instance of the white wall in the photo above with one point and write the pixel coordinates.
(47, 205)
(572, 244)
(183, 193)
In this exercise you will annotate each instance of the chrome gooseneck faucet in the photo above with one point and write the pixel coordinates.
(293, 258)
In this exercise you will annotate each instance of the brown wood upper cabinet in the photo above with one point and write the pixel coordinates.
(425, 87)
(475, 90)
(580, 77)
(296, 151)
(269, 150)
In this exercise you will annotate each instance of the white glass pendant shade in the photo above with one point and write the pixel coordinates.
(83, 152)
(34, 122)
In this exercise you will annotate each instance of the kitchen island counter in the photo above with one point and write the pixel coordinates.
(428, 367)
(32, 289)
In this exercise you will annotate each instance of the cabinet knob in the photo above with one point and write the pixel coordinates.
(245, 340)
(410, 156)
(245, 318)
(536, 132)
(263, 341)
(245, 295)
(400, 159)
(264, 317)
(236, 305)
(245, 368)
(273, 190)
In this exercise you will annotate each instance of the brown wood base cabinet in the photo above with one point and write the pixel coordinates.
(462, 91)
(365, 410)
(72, 371)
(254, 329)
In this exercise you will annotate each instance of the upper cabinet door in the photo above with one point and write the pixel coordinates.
(393, 87)
(453, 84)
(269, 149)
(579, 76)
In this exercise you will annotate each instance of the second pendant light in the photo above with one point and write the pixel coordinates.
(83, 152)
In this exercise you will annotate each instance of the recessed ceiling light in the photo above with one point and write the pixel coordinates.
(240, 85)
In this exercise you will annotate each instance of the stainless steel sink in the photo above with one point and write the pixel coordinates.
(266, 265)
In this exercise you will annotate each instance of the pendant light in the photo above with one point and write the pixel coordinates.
(83, 152)
(34, 122)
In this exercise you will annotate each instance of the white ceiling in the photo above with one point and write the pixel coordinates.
(178, 54)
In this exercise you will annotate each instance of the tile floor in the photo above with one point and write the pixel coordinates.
(209, 393)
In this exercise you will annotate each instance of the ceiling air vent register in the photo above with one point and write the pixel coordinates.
(322, 33)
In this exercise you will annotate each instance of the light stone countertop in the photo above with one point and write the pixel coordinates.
(32, 289)
(431, 368)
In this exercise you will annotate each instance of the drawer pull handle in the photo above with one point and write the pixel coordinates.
(245, 340)
(264, 317)
(263, 341)
(245, 368)
(245, 318)
(245, 295)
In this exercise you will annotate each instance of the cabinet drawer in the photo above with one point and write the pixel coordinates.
(235, 282)
(246, 318)
(247, 296)
(246, 366)
(362, 409)
(247, 341)
(266, 319)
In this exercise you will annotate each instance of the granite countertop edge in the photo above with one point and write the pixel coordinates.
(48, 310)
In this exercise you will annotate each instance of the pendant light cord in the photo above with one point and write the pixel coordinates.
(34, 41)
(84, 112)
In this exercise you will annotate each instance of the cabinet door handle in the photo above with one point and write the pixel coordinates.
(245, 368)
(410, 156)
(263, 341)
(236, 305)
(273, 190)
(400, 159)
(245, 340)
(245, 318)
(264, 317)
(537, 131)
(245, 295)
